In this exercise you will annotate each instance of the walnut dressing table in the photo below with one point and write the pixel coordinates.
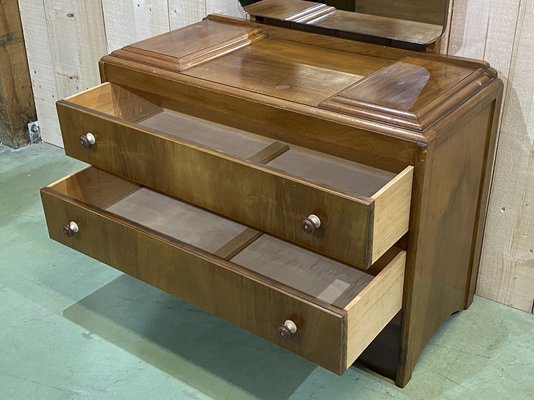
(324, 193)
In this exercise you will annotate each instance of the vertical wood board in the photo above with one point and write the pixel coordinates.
(41, 68)
(16, 98)
(226, 7)
(507, 273)
(501, 32)
(186, 12)
(65, 40)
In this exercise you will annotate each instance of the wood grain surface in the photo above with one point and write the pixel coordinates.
(274, 200)
(443, 231)
(429, 11)
(291, 90)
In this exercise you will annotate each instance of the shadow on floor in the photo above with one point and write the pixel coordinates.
(201, 350)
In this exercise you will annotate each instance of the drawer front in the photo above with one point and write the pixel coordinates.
(207, 282)
(355, 230)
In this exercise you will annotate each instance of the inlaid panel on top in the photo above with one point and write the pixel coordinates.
(287, 70)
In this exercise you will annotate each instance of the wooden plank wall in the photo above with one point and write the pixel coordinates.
(65, 39)
(16, 98)
(502, 33)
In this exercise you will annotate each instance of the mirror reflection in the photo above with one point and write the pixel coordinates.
(419, 22)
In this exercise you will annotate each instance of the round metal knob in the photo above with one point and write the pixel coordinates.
(311, 224)
(287, 329)
(87, 140)
(70, 229)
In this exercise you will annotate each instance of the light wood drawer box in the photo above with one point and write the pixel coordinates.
(260, 182)
(215, 264)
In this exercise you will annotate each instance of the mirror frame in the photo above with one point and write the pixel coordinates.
(393, 29)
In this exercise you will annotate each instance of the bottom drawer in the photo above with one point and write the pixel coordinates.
(318, 308)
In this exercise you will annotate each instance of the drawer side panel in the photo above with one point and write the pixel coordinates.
(374, 307)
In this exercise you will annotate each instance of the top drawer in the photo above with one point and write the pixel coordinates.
(342, 209)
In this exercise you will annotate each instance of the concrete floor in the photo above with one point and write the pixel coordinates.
(72, 328)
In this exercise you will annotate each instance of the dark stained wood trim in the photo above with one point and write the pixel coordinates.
(238, 244)
(269, 153)
(191, 60)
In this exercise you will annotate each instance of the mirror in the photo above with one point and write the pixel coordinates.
(416, 22)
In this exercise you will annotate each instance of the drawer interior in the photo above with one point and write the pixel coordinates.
(347, 176)
(325, 280)
(217, 137)
(176, 219)
(161, 115)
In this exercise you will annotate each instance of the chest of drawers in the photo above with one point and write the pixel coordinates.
(325, 194)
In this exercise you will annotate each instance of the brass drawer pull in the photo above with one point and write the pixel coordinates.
(311, 224)
(87, 140)
(287, 329)
(70, 229)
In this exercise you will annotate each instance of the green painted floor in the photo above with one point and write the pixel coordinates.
(72, 328)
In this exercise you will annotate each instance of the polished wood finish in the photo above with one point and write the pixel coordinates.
(419, 99)
(347, 210)
(321, 73)
(390, 149)
(198, 43)
(298, 10)
(17, 107)
(254, 296)
(440, 281)
(122, 69)
(428, 11)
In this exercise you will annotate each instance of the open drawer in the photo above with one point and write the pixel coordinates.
(342, 209)
(313, 306)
